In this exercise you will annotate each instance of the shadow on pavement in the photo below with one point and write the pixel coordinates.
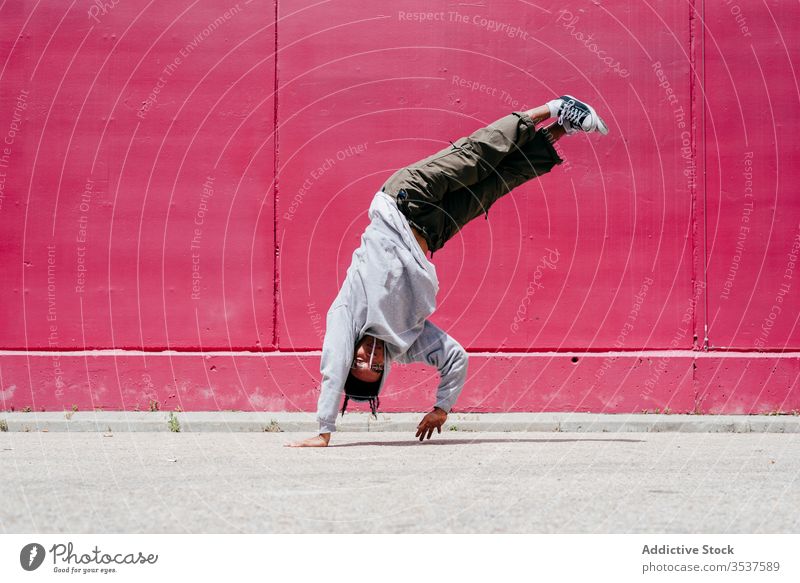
(473, 441)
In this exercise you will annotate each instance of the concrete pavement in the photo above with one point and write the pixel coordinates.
(67, 482)
(198, 421)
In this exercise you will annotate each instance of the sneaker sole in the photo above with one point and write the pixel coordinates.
(601, 125)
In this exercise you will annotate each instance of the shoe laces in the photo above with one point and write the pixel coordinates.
(572, 114)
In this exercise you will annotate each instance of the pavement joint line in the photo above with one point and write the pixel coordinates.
(260, 421)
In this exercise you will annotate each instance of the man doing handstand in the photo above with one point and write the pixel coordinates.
(381, 313)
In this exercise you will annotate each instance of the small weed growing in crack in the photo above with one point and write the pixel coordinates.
(173, 423)
(273, 427)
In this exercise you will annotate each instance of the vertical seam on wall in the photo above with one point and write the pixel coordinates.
(706, 342)
(693, 187)
(702, 94)
(275, 253)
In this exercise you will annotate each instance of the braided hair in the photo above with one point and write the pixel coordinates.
(359, 390)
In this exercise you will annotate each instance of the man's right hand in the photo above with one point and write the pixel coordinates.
(320, 440)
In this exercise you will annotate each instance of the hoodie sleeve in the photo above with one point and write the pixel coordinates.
(436, 348)
(337, 357)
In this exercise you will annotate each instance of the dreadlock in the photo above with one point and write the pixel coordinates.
(374, 404)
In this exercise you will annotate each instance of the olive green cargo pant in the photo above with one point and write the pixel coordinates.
(443, 192)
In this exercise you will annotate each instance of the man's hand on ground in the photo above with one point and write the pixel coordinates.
(433, 420)
(320, 440)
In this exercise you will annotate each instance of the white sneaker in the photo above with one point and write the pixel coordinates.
(577, 116)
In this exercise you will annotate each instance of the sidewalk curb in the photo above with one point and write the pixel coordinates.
(238, 421)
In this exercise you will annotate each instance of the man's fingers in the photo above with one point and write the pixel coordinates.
(425, 429)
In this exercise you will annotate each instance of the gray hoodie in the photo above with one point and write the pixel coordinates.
(389, 292)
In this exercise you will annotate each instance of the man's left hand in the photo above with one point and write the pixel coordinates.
(433, 420)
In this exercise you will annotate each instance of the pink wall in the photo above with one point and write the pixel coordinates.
(168, 184)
